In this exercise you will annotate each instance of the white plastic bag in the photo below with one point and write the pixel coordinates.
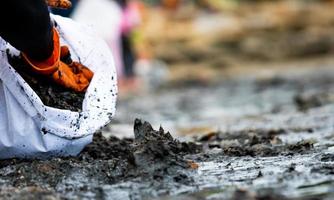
(29, 129)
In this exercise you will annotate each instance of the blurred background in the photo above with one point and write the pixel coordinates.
(196, 66)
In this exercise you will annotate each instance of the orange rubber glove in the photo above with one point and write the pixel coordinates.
(72, 75)
(64, 4)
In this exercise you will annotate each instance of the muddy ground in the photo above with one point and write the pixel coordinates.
(250, 116)
(248, 137)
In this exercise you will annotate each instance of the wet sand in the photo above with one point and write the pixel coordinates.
(248, 113)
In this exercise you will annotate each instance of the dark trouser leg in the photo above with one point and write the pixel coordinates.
(128, 56)
(26, 25)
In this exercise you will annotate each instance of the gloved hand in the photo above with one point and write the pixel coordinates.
(64, 4)
(61, 68)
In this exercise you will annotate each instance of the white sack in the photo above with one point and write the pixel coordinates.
(29, 129)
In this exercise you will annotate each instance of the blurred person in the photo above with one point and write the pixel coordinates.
(114, 21)
(130, 20)
(105, 17)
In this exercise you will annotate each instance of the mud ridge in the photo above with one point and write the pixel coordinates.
(151, 155)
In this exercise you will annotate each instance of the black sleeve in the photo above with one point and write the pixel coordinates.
(26, 25)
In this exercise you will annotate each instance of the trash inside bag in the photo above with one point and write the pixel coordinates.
(31, 129)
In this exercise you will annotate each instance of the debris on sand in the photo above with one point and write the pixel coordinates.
(327, 169)
(308, 100)
(28, 193)
(157, 148)
(106, 149)
(245, 194)
(253, 143)
(267, 149)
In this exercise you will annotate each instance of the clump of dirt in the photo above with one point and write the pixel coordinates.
(258, 150)
(264, 149)
(306, 101)
(250, 134)
(158, 149)
(28, 193)
(253, 143)
(104, 149)
(300, 147)
(326, 169)
(267, 195)
(234, 194)
(49, 92)
(327, 158)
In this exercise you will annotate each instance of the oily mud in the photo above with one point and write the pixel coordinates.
(259, 145)
(151, 156)
(257, 141)
(50, 93)
(153, 164)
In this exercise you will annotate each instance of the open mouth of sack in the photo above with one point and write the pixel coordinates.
(49, 92)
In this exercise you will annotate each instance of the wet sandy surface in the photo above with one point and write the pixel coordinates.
(255, 134)
(269, 135)
(250, 137)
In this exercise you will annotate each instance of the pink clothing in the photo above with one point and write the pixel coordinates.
(110, 22)
(131, 17)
